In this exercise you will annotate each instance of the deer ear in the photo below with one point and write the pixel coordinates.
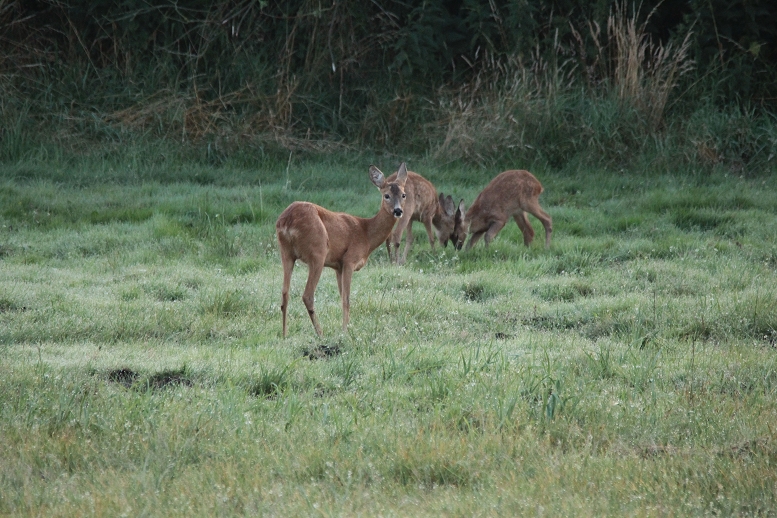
(376, 176)
(448, 205)
(461, 210)
(402, 173)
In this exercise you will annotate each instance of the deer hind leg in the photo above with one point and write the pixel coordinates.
(429, 232)
(526, 229)
(547, 222)
(288, 268)
(308, 297)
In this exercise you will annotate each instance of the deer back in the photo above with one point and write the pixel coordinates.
(504, 196)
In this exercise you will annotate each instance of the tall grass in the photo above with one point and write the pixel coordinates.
(541, 110)
(644, 73)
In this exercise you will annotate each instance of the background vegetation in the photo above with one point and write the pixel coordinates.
(674, 83)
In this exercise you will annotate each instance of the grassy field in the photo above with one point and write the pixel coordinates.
(630, 369)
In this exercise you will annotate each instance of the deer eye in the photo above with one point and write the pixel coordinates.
(386, 197)
(404, 196)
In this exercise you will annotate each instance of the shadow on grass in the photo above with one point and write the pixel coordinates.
(164, 379)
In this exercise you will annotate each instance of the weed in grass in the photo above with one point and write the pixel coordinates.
(390, 368)
(292, 409)
(642, 369)
(602, 365)
(505, 408)
(439, 387)
(557, 400)
(481, 359)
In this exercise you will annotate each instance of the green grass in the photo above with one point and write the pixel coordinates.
(628, 370)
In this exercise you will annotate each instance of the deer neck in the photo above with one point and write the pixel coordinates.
(379, 227)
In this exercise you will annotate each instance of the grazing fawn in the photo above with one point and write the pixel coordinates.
(319, 237)
(422, 204)
(511, 193)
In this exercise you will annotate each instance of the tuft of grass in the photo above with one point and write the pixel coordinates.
(700, 219)
(271, 381)
(223, 302)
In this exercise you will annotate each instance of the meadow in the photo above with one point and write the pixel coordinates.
(630, 369)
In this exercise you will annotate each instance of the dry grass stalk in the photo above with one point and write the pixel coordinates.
(194, 118)
(480, 116)
(645, 72)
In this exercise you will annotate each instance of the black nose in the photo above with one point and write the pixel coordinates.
(397, 213)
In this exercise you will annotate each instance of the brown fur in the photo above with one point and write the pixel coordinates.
(319, 237)
(510, 194)
(422, 204)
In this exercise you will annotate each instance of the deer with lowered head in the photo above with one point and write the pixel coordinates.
(511, 194)
(319, 237)
(422, 204)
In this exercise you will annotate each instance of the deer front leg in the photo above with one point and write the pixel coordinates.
(493, 230)
(308, 297)
(344, 283)
(474, 238)
(408, 243)
(396, 234)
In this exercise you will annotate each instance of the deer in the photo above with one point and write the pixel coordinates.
(319, 237)
(511, 193)
(422, 205)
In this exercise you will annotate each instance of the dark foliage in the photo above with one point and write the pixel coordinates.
(342, 71)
